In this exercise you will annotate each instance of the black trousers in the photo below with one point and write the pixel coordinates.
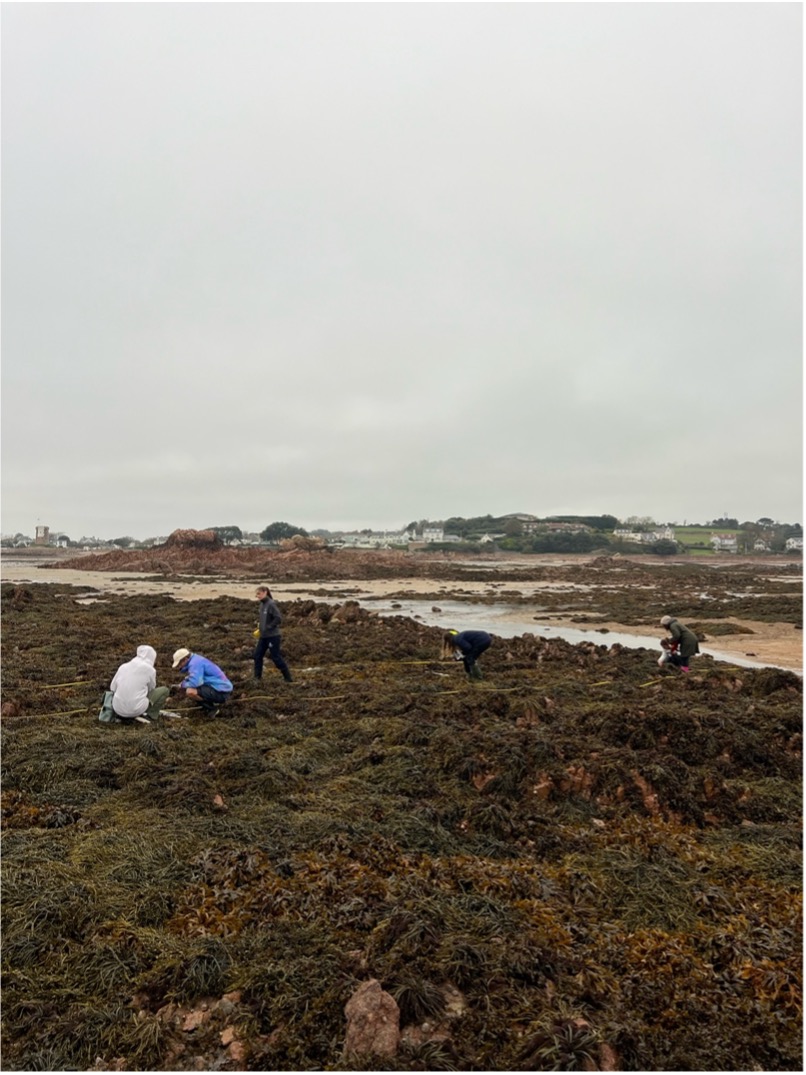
(210, 698)
(470, 656)
(272, 647)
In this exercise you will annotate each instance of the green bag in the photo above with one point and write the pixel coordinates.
(107, 714)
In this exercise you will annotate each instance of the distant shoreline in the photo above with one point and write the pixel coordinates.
(48, 554)
(776, 643)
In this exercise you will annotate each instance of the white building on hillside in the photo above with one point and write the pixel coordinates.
(646, 537)
(433, 534)
(725, 542)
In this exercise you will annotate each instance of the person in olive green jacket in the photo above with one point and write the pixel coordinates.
(680, 646)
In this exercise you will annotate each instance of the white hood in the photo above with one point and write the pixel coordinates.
(133, 681)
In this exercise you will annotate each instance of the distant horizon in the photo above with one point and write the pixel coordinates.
(396, 527)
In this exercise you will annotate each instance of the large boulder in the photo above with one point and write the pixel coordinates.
(373, 1021)
(194, 539)
(300, 543)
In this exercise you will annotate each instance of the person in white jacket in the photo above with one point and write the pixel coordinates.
(136, 694)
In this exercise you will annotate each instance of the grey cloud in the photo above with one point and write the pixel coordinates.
(318, 253)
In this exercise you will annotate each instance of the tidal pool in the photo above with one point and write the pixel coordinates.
(509, 621)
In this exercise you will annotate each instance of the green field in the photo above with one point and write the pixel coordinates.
(697, 539)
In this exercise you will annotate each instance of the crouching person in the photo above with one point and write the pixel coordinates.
(204, 681)
(681, 645)
(136, 695)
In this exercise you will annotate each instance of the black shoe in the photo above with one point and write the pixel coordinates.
(288, 677)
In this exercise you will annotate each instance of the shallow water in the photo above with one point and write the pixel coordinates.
(509, 621)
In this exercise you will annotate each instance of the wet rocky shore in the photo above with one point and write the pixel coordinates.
(576, 863)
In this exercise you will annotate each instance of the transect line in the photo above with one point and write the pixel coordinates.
(63, 713)
(49, 686)
(322, 698)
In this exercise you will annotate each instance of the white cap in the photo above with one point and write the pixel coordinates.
(179, 656)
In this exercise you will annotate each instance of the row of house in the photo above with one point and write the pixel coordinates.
(646, 537)
(430, 535)
(436, 535)
(43, 537)
(730, 543)
(382, 539)
(538, 527)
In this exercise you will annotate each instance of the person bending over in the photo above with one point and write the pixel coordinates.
(467, 647)
(680, 646)
(204, 681)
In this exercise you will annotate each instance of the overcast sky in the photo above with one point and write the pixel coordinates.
(350, 265)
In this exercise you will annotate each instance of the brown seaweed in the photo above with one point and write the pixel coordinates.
(574, 862)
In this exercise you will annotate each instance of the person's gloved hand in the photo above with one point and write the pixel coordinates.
(256, 633)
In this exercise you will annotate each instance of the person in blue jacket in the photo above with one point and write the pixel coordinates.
(204, 681)
(467, 647)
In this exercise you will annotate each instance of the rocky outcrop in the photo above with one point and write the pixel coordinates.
(194, 539)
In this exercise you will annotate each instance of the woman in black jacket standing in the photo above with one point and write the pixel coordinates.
(268, 633)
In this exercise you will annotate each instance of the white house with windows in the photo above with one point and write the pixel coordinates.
(375, 539)
(433, 534)
(794, 544)
(646, 537)
(725, 542)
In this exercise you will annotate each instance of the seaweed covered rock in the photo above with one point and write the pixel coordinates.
(575, 863)
(18, 596)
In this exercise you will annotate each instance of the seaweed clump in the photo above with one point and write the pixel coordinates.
(574, 864)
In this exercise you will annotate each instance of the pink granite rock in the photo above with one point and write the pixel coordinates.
(373, 1021)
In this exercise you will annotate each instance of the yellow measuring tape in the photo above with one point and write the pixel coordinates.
(50, 686)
